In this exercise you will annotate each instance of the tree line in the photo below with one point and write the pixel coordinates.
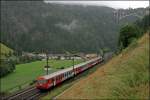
(131, 32)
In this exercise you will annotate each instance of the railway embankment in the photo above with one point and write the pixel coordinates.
(125, 76)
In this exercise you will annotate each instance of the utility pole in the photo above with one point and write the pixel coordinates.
(47, 63)
(73, 60)
(73, 66)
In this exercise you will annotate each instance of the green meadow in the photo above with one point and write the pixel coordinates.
(26, 73)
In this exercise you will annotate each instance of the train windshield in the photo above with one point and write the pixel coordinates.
(42, 81)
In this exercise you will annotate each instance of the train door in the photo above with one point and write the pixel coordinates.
(49, 83)
(72, 73)
(54, 81)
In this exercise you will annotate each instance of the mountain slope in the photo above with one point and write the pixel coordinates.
(35, 25)
(126, 76)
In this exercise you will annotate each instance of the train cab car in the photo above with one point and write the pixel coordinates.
(43, 83)
(47, 81)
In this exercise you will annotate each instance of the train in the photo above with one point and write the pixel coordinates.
(47, 81)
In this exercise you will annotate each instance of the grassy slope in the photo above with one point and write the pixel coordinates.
(29, 71)
(126, 76)
(4, 50)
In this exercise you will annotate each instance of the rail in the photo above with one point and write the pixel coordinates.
(28, 94)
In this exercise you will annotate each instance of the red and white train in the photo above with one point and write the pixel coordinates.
(48, 81)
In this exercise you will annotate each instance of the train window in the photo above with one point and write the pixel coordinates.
(42, 81)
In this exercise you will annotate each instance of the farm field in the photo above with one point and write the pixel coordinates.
(126, 76)
(26, 73)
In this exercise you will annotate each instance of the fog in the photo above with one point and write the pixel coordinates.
(113, 4)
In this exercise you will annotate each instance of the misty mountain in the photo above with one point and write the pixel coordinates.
(37, 26)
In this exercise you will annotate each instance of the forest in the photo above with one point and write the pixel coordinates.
(35, 26)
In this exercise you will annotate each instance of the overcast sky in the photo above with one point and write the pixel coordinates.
(114, 4)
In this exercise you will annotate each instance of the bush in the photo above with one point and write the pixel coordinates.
(6, 67)
(128, 33)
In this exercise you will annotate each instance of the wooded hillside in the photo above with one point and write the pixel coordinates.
(35, 25)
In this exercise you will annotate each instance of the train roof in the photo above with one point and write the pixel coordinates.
(67, 69)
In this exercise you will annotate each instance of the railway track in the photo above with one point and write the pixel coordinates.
(28, 94)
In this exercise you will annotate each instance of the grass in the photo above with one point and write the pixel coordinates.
(126, 76)
(28, 72)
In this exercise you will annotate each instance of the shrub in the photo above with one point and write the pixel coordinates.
(128, 33)
(6, 67)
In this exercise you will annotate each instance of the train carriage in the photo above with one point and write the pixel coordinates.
(48, 81)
